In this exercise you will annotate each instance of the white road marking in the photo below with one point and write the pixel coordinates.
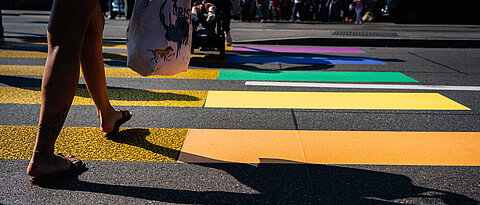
(363, 86)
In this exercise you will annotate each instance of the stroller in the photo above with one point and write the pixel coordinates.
(209, 35)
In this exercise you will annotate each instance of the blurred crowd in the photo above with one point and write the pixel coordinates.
(284, 10)
(304, 10)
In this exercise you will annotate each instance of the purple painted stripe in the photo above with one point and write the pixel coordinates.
(297, 49)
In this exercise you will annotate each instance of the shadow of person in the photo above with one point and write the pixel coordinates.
(115, 93)
(332, 184)
(137, 137)
(114, 57)
(275, 181)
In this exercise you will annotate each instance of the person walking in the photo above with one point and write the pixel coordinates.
(334, 8)
(245, 9)
(359, 5)
(227, 7)
(74, 37)
(2, 37)
(286, 9)
(298, 10)
(130, 4)
(110, 7)
(262, 9)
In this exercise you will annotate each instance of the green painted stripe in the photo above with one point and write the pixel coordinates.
(330, 76)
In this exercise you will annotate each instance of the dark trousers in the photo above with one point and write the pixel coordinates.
(1, 25)
(245, 11)
(129, 7)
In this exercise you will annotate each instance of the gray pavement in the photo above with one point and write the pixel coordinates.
(113, 182)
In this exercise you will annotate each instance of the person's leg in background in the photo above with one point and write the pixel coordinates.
(358, 18)
(94, 72)
(112, 13)
(130, 4)
(227, 16)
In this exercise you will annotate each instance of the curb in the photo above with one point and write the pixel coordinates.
(369, 42)
(313, 41)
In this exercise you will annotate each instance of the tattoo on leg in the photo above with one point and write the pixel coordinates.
(52, 124)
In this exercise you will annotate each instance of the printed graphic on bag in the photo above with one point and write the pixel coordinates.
(165, 54)
(159, 41)
(178, 32)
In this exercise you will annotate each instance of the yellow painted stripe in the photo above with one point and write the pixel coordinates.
(114, 46)
(22, 44)
(133, 144)
(22, 54)
(331, 100)
(197, 56)
(111, 72)
(38, 54)
(332, 147)
(44, 44)
(35, 16)
(104, 45)
(118, 97)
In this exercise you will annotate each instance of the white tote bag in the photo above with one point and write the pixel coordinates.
(159, 37)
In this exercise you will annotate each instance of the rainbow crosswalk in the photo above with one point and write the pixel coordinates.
(250, 146)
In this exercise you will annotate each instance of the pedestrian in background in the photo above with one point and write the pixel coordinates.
(359, 6)
(112, 14)
(274, 9)
(299, 10)
(262, 9)
(245, 9)
(349, 12)
(334, 10)
(74, 37)
(323, 10)
(129, 8)
(312, 10)
(286, 9)
(2, 37)
(226, 7)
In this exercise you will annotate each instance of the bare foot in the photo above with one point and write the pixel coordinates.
(108, 121)
(43, 164)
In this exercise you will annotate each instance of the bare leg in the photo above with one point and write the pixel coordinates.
(94, 72)
(65, 35)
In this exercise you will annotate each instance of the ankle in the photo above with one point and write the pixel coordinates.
(38, 159)
(107, 114)
(108, 119)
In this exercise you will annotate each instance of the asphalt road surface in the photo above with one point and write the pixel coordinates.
(268, 124)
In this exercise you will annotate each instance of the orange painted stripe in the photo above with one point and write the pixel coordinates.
(392, 148)
(332, 147)
(241, 146)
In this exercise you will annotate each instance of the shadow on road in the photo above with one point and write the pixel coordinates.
(115, 93)
(275, 181)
